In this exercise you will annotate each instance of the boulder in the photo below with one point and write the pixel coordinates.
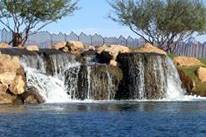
(75, 47)
(12, 78)
(17, 86)
(149, 48)
(113, 63)
(113, 50)
(183, 61)
(110, 53)
(32, 48)
(32, 96)
(4, 45)
(9, 63)
(201, 73)
(59, 45)
(5, 98)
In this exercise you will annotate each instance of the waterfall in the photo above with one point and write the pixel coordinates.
(89, 82)
(141, 78)
(71, 80)
(47, 74)
(61, 77)
(50, 88)
(174, 89)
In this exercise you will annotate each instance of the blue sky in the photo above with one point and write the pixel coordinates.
(91, 18)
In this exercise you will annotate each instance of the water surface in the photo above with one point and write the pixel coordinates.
(116, 119)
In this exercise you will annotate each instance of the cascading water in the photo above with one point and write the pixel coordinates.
(46, 73)
(174, 89)
(50, 88)
(59, 77)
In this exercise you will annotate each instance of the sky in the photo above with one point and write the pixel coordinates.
(91, 18)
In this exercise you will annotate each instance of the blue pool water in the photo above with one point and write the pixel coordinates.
(115, 119)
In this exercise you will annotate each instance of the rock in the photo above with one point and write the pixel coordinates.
(201, 73)
(113, 63)
(91, 48)
(104, 82)
(113, 50)
(9, 63)
(183, 61)
(17, 86)
(4, 45)
(32, 96)
(59, 45)
(149, 48)
(108, 54)
(32, 48)
(144, 76)
(187, 82)
(75, 47)
(12, 78)
(191, 82)
(5, 98)
(7, 78)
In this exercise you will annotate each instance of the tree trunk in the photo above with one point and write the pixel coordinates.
(17, 40)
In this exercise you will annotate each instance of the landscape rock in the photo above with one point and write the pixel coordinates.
(4, 45)
(187, 82)
(113, 63)
(59, 45)
(17, 86)
(149, 48)
(32, 96)
(6, 98)
(110, 53)
(12, 78)
(32, 48)
(187, 61)
(201, 73)
(75, 47)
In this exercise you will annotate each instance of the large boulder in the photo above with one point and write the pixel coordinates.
(4, 97)
(191, 80)
(201, 73)
(59, 45)
(12, 78)
(4, 45)
(75, 47)
(32, 48)
(149, 48)
(183, 61)
(32, 96)
(110, 53)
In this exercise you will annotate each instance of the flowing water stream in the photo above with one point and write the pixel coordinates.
(61, 78)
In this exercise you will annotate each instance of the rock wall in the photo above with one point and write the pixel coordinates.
(12, 79)
(144, 76)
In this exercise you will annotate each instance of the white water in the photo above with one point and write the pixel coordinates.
(50, 88)
(174, 90)
(54, 90)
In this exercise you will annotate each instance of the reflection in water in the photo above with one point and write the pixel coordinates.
(108, 107)
(12, 109)
(120, 119)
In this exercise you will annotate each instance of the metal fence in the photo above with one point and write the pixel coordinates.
(45, 39)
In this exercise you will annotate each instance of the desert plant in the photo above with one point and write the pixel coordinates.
(23, 16)
(164, 23)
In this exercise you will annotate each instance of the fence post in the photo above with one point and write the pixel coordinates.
(91, 40)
